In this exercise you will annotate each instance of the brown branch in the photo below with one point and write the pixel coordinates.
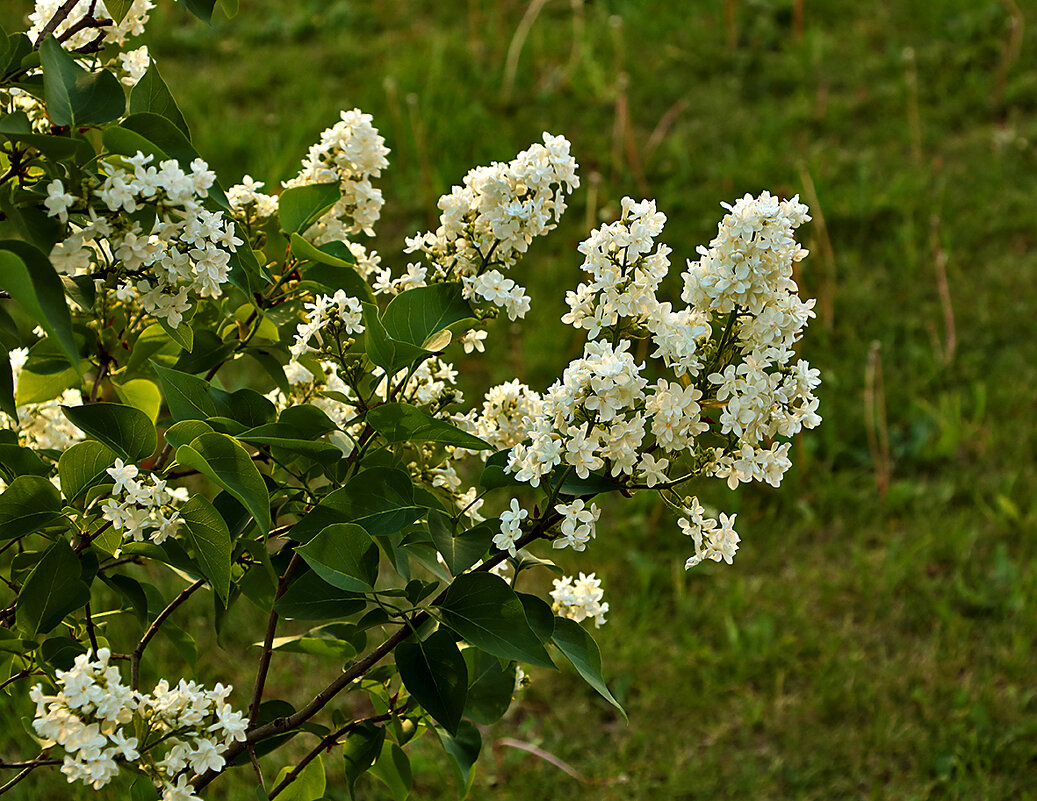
(28, 767)
(59, 16)
(153, 630)
(21, 675)
(85, 23)
(327, 744)
(90, 629)
(268, 639)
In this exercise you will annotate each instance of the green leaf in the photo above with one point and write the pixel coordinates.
(538, 613)
(182, 335)
(225, 462)
(326, 647)
(186, 395)
(185, 431)
(580, 649)
(74, 96)
(117, 8)
(434, 672)
(33, 388)
(124, 429)
(124, 142)
(141, 394)
(130, 589)
(487, 613)
(142, 789)
(491, 686)
(463, 748)
(299, 207)
(494, 475)
(393, 768)
(280, 435)
(402, 422)
(28, 504)
(308, 785)
(461, 551)
(152, 94)
(52, 590)
(309, 597)
(245, 406)
(207, 351)
(416, 315)
(26, 273)
(388, 353)
(360, 749)
(331, 272)
(209, 537)
(18, 461)
(203, 10)
(153, 341)
(59, 148)
(61, 652)
(83, 466)
(344, 555)
(380, 500)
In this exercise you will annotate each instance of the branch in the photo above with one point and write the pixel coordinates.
(326, 744)
(59, 16)
(28, 767)
(356, 669)
(268, 640)
(153, 630)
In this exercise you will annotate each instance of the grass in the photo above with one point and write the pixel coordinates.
(866, 644)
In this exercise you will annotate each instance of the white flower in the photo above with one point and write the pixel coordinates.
(579, 599)
(58, 201)
(578, 524)
(510, 527)
(473, 341)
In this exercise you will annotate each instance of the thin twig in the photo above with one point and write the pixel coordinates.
(268, 640)
(59, 16)
(153, 630)
(90, 629)
(326, 744)
(28, 767)
(20, 675)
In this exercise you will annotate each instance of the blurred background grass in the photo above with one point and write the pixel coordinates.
(874, 638)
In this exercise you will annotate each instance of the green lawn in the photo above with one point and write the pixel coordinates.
(868, 643)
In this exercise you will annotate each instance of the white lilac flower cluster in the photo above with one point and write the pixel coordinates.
(500, 420)
(327, 318)
(142, 509)
(714, 539)
(183, 727)
(730, 349)
(489, 222)
(42, 426)
(746, 274)
(115, 33)
(187, 250)
(579, 599)
(248, 203)
(133, 64)
(510, 527)
(351, 152)
(593, 413)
